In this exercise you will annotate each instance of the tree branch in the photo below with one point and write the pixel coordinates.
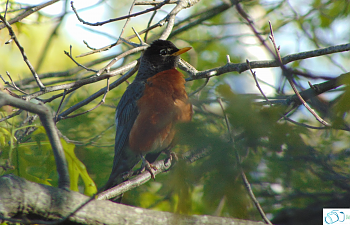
(119, 18)
(21, 199)
(30, 10)
(241, 67)
(49, 125)
(21, 49)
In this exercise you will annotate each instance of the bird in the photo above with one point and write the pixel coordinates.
(148, 111)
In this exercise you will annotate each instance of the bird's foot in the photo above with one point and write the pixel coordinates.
(171, 156)
(148, 166)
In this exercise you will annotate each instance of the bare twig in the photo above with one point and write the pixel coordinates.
(257, 83)
(203, 15)
(289, 77)
(138, 36)
(239, 163)
(51, 37)
(69, 54)
(113, 44)
(65, 73)
(6, 7)
(59, 106)
(200, 88)
(149, 24)
(100, 103)
(116, 59)
(278, 60)
(73, 86)
(180, 5)
(98, 93)
(284, 116)
(159, 24)
(12, 115)
(21, 49)
(13, 84)
(241, 67)
(30, 10)
(119, 18)
(154, 2)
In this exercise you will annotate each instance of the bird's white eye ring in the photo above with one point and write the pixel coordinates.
(163, 52)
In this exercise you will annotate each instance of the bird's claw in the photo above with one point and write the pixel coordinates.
(149, 167)
(171, 156)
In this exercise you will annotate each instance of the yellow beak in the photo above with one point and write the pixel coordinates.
(181, 51)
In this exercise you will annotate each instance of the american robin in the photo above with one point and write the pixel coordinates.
(148, 111)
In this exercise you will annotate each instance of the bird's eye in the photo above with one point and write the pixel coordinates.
(163, 52)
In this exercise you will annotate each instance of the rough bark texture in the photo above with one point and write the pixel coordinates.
(21, 199)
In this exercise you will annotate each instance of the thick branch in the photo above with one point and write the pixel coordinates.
(21, 199)
(47, 122)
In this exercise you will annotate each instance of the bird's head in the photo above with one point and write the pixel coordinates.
(161, 55)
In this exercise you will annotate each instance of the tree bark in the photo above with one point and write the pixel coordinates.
(30, 202)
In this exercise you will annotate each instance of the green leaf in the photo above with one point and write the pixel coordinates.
(76, 168)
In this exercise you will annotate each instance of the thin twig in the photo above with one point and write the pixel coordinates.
(51, 37)
(154, 2)
(65, 73)
(200, 88)
(28, 11)
(98, 93)
(159, 24)
(241, 67)
(95, 50)
(244, 177)
(180, 5)
(271, 104)
(277, 58)
(78, 64)
(75, 85)
(116, 59)
(257, 83)
(21, 49)
(7, 4)
(119, 18)
(308, 126)
(12, 115)
(100, 103)
(138, 36)
(59, 106)
(289, 77)
(149, 24)
(204, 15)
(13, 84)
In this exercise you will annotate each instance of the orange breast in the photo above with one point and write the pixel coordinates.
(163, 104)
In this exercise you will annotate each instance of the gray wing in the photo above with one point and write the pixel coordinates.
(126, 114)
